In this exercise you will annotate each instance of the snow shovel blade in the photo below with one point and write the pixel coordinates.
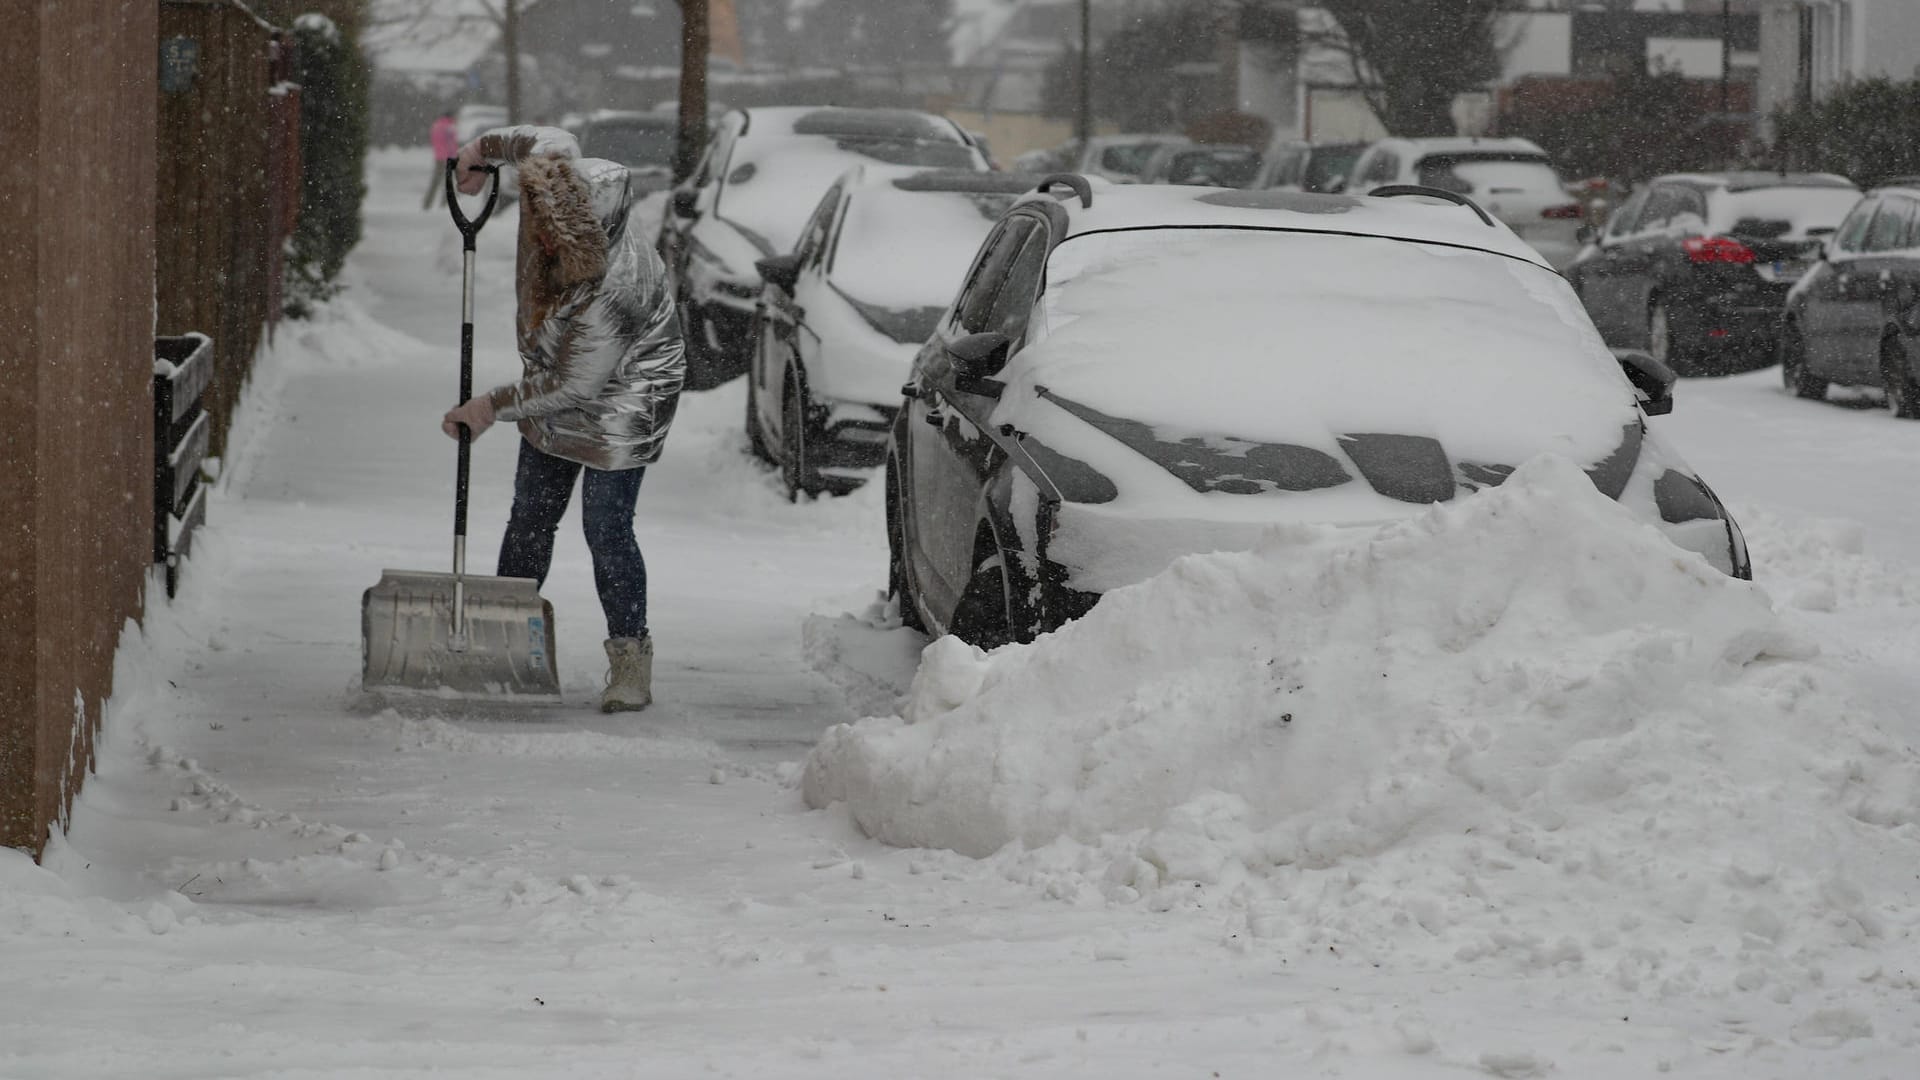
(408, 641)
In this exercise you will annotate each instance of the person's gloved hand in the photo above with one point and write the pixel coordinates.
(477, 414)
(468, 177)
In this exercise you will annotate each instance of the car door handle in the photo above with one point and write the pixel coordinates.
(936, 418)
(910, 391)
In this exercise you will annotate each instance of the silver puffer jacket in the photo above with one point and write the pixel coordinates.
(598, 330)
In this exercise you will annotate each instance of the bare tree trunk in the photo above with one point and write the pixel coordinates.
(510, 45)
(695, 43)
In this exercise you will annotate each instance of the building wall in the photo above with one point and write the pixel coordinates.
(1890, 39)
(77, 84)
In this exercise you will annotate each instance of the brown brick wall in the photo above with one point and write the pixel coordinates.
(77, 119)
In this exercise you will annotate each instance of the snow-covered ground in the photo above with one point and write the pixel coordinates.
(1517, 790)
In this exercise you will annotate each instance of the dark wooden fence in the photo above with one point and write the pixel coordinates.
(228, 185)
(76, 377)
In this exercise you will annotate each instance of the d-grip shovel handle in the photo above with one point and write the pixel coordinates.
(470, 229)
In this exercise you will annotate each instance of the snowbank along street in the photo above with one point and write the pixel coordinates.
(1514, 788)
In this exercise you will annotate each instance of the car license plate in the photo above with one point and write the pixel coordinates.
(1782, 270)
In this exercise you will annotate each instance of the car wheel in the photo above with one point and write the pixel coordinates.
(899, 584)
(756, 435)
(1793, 366)
(700, 360)
(796, 472)
(984, 616)
(993, 607)
(1661, 343)
(1903, 397)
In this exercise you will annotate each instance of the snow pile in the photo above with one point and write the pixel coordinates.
(343, 335)
(1520, 726)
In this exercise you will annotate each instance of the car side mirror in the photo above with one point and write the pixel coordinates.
(686, 203)
(1587, 234)
(979, 356)
(780, 271)
(1653, 379)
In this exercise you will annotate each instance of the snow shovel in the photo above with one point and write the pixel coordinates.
(457, 635)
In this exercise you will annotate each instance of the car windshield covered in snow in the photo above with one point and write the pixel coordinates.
(1782, 212)
(903, 247)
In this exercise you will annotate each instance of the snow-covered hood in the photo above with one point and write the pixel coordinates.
(1275, 376)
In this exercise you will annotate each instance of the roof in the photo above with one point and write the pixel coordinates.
(894, 124)
(1468, 145)
(612, 117)
(957, 181)
(1755, 180)
(1148, 206)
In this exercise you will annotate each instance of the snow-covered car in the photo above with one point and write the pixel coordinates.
(1203, 166)
(762, 174)
(1512, 178)
(1695, 268)
(1138, 373)
(841, 317)
(642, 141)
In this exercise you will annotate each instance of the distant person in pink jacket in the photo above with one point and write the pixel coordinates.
(446, 144)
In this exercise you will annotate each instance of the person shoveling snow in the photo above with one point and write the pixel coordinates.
(605, 361)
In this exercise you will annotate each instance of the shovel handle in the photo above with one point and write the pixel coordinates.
(470, 228)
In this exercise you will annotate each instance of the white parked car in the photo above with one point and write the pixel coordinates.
(762, 174)
(841, 317)
(1512, 178)
(1135, 373)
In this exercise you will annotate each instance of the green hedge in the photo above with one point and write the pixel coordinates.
(1868, 131)
(333, 76)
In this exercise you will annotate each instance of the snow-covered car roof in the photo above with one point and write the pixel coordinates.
(832, 120)
(1756, 181)
(1466, 145)
(786, 158)
(1151, 206)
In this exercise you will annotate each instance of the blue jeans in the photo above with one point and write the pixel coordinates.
(541, 489)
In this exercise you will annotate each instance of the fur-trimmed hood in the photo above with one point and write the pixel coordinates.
(563, 236)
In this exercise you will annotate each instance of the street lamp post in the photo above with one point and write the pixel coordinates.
(1084, 122)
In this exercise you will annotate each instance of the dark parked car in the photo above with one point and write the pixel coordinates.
(759, 180)
(1855, 318)
(1137, 373)
(1203, 166)
(643, 142)
(1305, 166)
(1695, 269)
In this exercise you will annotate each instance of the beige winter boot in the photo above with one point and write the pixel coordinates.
(630, 678)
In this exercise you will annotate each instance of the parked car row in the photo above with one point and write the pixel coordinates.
(750, 197)
(1001, 349)
(1695, 268)
(1854, 318)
